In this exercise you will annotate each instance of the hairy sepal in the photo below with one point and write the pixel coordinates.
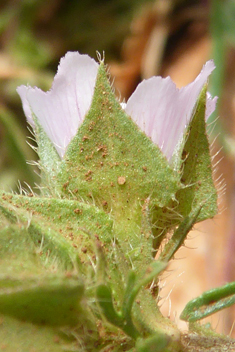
(196, 167)
(111, 163)
(49, 160)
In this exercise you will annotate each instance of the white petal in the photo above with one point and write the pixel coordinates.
(162, 110)
(61, 110)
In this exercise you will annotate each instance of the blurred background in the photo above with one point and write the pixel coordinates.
(141, 38)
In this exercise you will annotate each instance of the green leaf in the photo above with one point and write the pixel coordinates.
(62, 230)
(52, 300)
(22, 336)
(30, 292)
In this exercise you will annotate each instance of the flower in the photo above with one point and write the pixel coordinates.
(61, 110)
(163, 111)
(157, 106)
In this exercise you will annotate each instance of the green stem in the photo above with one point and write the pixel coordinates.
(209, 302)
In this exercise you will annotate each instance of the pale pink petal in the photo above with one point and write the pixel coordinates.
(61, 110)
(163, 111)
